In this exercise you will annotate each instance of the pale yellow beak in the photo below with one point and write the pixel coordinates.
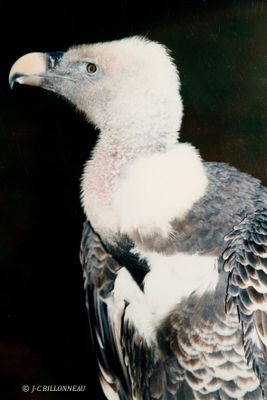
(29, 69)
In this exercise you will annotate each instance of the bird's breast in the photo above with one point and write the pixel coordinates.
(145, 194)
(172, 278)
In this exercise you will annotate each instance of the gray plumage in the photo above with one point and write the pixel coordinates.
(230, 196)
(198, 343)
(173, 249)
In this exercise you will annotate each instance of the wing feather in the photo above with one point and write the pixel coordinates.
(129, 367)
(246, 261)
(100, 271)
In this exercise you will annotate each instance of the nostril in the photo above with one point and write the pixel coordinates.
(54, 59)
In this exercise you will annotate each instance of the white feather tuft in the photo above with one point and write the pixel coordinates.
(159, 188)
(175, 277)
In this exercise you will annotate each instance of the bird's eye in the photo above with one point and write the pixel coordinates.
(91, 68)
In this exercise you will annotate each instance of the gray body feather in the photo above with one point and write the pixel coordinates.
(200, 351)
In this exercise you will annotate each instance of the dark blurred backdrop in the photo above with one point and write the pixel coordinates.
(221, 51)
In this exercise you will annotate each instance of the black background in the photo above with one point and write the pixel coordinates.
(221, 51)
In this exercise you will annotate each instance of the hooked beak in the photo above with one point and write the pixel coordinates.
(32, 68)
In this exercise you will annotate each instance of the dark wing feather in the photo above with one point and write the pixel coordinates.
(246, 261)
(100, 271)
(129, 366)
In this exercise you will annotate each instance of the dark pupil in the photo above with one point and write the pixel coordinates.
(91, 67)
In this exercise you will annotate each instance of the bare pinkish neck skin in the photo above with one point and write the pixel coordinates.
(103, 173)
(109, 160)
(106, 166)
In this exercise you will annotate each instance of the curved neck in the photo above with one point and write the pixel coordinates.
(131, 144)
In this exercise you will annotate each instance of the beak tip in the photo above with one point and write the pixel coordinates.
(27, 69)
(14, 78)
(31, 68)
(11, 82)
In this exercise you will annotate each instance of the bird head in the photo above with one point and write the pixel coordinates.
(123, 85)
